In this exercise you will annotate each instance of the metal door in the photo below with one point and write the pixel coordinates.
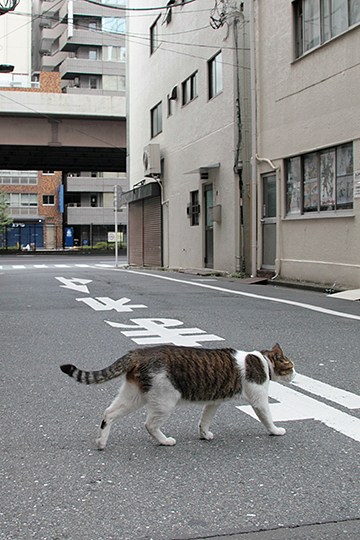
(268, 221)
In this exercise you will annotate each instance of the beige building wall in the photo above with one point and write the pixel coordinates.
(200, 136)
(307, 104)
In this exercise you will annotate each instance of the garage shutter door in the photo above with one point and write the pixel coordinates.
(135, 233)
(152, 232)
(144, 232)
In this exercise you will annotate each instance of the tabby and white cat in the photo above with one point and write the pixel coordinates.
(161, 377)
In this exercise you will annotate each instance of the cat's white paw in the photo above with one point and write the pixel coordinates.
(278, 431)
(100, 444)
(169, 441)
(206, 435)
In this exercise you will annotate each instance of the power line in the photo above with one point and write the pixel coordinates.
(171, 4)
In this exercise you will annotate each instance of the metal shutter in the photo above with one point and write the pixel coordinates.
(152, 232)
(135, 233)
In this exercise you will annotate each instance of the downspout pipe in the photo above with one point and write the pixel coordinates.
(253, 191)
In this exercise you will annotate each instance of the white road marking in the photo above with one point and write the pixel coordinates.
(295, 406)
(331, 393)
(105, 265)
(155, 331)
(62, 266)
(103, 303)
(41, 266)
(18, 266)
(82, 265)
(75, 284)
(252, 295)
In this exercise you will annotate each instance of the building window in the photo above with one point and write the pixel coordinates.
(48, 173)
(113, 82)
(93, 83)
(113, 53)
(154, 39)
(317, 21)
(48, 200)
(320, 181)
(193, 209)
(93, 54)
(215, 75)
(156, 119)
(22, 199)
(113, 25)
(189, 89)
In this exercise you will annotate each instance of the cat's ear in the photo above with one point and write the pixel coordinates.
(277, 348)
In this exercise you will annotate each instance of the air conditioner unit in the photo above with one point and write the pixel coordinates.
(151, 159)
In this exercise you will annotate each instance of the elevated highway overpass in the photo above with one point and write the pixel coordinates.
(48, 131)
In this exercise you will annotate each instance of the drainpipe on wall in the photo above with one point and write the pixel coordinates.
(253, 224)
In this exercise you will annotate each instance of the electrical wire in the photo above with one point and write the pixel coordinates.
(123, 8)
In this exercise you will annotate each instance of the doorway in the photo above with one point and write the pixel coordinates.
(209, 227)
(268, 221)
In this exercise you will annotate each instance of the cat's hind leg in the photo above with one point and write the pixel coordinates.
(207, 415)
(160, 403)
(129, 399)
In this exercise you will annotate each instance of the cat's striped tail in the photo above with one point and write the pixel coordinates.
(118, 368)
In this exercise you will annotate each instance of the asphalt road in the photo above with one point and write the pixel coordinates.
(243, 484)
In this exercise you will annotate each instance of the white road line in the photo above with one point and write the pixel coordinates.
(324, 390)
(82, 265)
(252, 295)
(62, 266)
(295, 406)
(41, 266)
(105, 265)
(18, 266)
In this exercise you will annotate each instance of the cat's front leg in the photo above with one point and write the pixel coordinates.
(258, 398)
(264, 414)
(207, 415)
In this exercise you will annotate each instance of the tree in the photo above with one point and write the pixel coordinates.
(8, 5)
(5, 218)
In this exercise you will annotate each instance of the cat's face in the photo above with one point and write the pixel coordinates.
(283, 367)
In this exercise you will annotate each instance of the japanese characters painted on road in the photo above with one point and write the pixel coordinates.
(160, 377)
(291, 405)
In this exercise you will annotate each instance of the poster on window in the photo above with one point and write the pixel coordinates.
(293, 203)
(327, 179)
(344, 162)
(345, 178)
(344, 191)
(311, 184)
(357, 184)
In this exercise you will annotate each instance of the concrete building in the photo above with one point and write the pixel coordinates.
(308, 139)
(84, 45)
(33, 196)
(235, 168)
(189, 155)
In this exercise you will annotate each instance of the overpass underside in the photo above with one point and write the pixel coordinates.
(63, 144)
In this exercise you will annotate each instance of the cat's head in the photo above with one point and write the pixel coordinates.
(282, 368)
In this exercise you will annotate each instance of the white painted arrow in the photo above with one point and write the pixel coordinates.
(76, 284)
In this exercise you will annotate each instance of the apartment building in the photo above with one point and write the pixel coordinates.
(189, 136)
(33, 197)
(244, 151)
(85, 43)
(308, 139)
